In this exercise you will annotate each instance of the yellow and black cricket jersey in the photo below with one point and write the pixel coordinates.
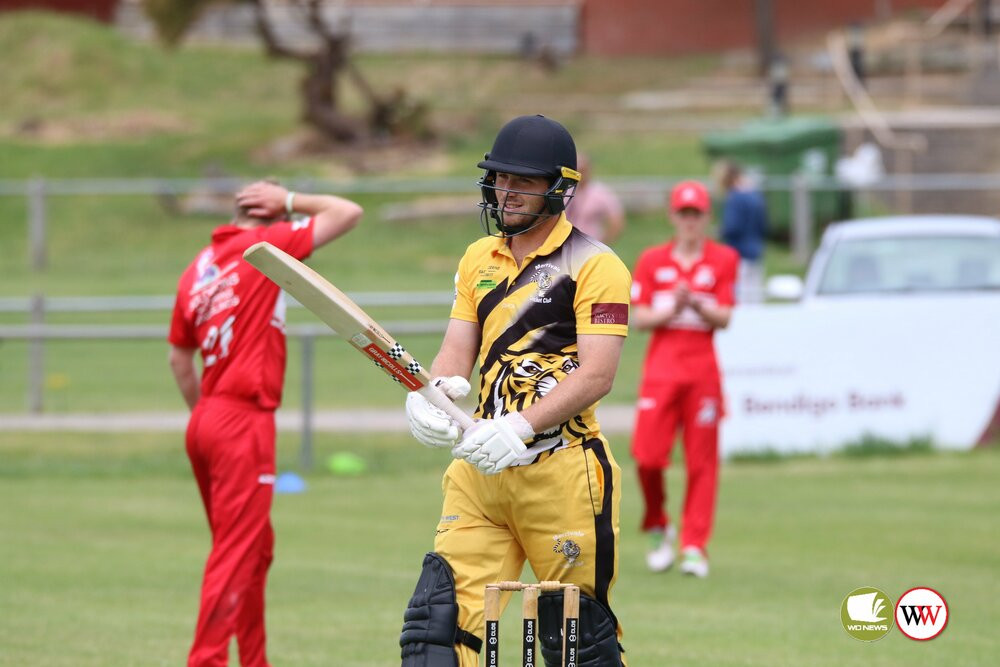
(530, 319)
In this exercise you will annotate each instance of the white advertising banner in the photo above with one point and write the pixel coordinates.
(813, 376)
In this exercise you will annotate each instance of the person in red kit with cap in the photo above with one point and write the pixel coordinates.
(235, 316)
(682, 291)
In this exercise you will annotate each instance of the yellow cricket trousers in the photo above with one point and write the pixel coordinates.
(560, 514)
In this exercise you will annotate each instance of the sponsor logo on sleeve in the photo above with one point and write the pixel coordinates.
(609, 313)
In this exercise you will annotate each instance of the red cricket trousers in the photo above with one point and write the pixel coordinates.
(695, 407)
(231, 447)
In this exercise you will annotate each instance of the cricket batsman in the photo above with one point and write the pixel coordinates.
(543, 309)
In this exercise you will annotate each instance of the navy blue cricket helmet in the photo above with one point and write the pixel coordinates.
(529, 146)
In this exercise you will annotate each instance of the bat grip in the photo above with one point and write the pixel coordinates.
(438, 399)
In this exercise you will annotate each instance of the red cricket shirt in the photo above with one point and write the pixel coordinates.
(236, 315)
(683, 350)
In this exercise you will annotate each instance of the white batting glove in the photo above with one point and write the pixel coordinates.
(454, 387)
(494, 444)
(430, 425)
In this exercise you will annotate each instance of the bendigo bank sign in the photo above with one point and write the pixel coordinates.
(813, 377)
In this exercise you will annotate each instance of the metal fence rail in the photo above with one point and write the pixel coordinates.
(38, 333)
(161, 302)
(639, 192)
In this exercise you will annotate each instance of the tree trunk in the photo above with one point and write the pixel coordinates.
(326, 66)
(320, 95)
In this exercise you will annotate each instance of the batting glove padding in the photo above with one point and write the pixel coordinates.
(494, 444)
(430, 425)
(454, 387)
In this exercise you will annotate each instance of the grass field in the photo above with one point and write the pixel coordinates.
(104, 540)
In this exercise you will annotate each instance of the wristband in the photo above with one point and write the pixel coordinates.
(290, 202)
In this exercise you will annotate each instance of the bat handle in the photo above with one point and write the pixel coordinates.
(438, 399)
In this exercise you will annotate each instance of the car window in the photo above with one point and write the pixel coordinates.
(912, 264)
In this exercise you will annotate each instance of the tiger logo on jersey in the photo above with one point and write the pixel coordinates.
(524, 378)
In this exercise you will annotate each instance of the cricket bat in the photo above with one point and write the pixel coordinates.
(354, 325)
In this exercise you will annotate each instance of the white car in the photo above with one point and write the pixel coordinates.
(899, 254)
(894, 333)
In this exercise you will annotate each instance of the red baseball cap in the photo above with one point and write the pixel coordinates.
(690, 194)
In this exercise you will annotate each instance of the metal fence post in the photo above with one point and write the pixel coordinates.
(305, 447)
(802, 219)
(904, 186)
(36, 223)
(36, 358)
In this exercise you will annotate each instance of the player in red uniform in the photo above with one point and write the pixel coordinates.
(235, 316)
(683, 292)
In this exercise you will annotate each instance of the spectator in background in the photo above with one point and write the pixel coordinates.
(744, 227)
(235, 316)
(682, 291)
(595, 209)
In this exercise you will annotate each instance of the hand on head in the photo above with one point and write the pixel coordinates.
(263, 200)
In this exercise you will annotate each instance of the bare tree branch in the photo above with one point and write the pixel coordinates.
(274, 47)
(326, 63)
(319, 25)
